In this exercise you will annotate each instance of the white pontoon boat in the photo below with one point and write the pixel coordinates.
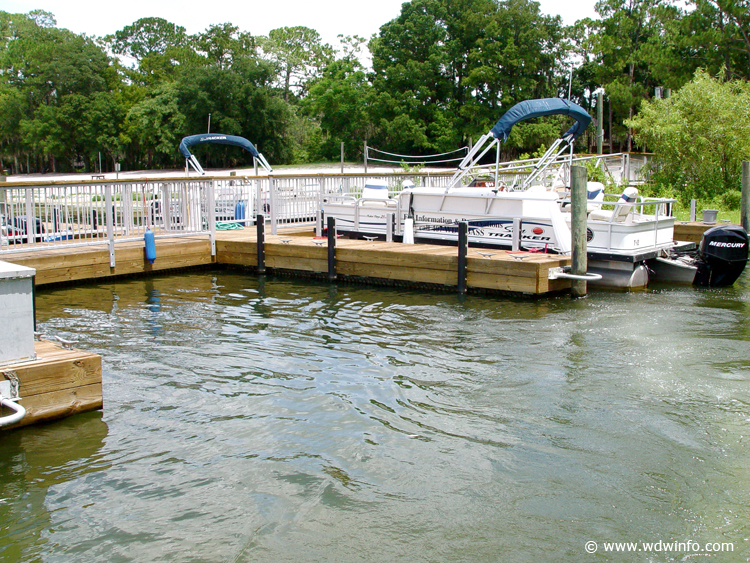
(630, 239)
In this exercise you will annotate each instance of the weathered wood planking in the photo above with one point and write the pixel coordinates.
(57, 384)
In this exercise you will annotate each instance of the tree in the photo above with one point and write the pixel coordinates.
(299, 54)
(339, 101)
(700, 135)
(240, 103)
(619, 40)
(730, 21)
(156, 46)
(156, 124)
(444, 70)
(223, 45)
(49, 76)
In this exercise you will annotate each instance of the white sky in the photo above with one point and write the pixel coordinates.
(329, 17)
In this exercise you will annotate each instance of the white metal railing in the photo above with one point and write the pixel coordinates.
(67, 214)
(37, 217)
(621, 169)
(108, 212)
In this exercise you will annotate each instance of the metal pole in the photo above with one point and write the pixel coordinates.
(109, 217)
(463, 251)
(365, 157)
(692, 209)
(579, 260)
(599, 122)
(342, 157)
(745, 201)
(331, 249)
(33, 298)
(515, 240)
(260, 228)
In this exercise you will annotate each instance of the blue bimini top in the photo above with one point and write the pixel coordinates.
(538, 108)
(216, 138)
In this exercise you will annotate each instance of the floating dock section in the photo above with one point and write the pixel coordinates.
(39, 380)
(300, 252)
(60, 382)
(397, 263)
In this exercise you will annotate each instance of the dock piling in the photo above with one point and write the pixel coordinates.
(579, 261)
(260, 226)
(463, 251)
(331, 249)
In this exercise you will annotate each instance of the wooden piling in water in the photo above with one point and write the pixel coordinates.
(579, 260)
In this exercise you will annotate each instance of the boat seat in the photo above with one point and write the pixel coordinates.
(375, 189)
(620, 212)
(594, 196)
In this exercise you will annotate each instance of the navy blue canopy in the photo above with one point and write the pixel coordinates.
(538, 108)
(216, 138)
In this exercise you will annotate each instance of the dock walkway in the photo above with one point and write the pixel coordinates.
(298, 251)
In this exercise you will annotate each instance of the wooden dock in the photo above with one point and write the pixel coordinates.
(692, 231)
(411, 264)
(59, 383)
(298, 251)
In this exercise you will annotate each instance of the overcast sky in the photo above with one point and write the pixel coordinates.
(329, 17)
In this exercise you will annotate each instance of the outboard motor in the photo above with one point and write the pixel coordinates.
(722, 256)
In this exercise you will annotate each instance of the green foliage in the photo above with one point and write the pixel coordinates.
(700, 136)
(298, 54)
(443, 72)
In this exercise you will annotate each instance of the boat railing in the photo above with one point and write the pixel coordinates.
(621, 212)
(619, 169)
(658, 207)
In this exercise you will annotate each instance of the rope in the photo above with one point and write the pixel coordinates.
(228, 226)
(12, 376)
(418, 156)
(422, 162)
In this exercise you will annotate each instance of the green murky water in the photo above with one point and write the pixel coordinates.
(287, 420)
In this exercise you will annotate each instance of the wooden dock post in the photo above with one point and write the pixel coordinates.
(745, 206)
(332, 249)
(260, 226)
(463, 251)
(579, 261)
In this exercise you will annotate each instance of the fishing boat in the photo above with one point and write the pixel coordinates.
(630, 238)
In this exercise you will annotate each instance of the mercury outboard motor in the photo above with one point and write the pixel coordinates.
(722, 256)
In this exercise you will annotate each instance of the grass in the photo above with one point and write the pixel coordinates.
(682, 213)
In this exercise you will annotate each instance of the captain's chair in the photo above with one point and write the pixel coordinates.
(375, 189)
(594, 196)
(620, 212)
